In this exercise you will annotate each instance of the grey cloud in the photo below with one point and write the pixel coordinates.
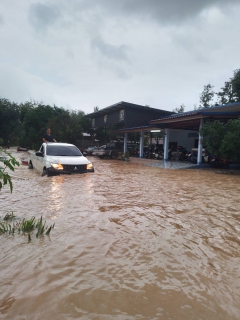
(164, 11)
(1, 20)
(114, 56)
(69, 54)
(120, 73)
(42, 16)
(110, 51)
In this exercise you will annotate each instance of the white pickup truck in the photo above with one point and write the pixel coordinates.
(57, 158)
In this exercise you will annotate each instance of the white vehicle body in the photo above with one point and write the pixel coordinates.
(59, 158)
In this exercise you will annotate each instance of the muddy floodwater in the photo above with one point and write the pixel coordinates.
(131, 241)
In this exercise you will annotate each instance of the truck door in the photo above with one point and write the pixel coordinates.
(40, 160)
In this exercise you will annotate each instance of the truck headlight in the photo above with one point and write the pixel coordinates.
(57, 166)
(89, 166)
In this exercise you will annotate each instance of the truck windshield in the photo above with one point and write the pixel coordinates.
(55, 150)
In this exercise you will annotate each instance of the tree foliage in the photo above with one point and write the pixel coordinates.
(223, 139)
(25, 124)
(226, 94)
(8, 162)
(180, 109)
(9, 121)
(230, 93)
(206, 97)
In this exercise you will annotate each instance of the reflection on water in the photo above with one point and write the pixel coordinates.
(131, 241)
(55, 195)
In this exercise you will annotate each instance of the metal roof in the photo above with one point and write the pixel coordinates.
(122, 104)
(232, 108)
(138, 129)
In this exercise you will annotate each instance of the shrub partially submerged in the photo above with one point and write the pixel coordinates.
(25, 226)
(9, 216)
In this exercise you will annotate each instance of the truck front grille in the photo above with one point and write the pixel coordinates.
(75, 168)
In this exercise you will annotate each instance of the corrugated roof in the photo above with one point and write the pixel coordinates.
(140, 128)
(178, 115)
(231, 107)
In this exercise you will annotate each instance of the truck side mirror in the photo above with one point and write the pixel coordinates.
(39, 154)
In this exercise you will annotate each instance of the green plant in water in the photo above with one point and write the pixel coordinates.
(6, 228)
(41, 228)
(27, 226)
(9, 216)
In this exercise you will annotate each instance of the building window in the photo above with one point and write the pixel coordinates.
(93, 123)
(121, 115)
(105, 119)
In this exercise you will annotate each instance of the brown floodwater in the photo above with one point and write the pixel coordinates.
(131, 241)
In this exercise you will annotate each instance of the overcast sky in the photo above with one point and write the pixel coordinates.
(79, 54)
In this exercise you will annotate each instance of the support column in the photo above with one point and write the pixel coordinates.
(199, 156)
(166, 144)
(141, 144)
(125, 142)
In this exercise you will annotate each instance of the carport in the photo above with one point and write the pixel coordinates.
(141, 130)
(194, 120)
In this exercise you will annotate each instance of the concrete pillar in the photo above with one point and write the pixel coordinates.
(141, 144)
(166, 144)
(199, 156)
(125, 142)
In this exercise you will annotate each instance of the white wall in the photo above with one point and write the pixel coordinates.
(182, 139)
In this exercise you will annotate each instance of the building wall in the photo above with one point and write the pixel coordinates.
(127, 117)
(138, 117)
(183, 138)
(108, 119)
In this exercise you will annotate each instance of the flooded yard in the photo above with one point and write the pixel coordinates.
(131, 241)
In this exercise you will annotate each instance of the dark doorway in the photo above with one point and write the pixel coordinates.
(173, 146)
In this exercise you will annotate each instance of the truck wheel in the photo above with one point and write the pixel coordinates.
(30, 166)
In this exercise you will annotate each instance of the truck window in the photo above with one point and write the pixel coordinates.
(56, 150)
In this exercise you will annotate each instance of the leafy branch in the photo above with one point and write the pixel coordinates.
(9, 162)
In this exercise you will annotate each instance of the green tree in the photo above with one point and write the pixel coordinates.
(34, 123)
(68, 126)
(213, 134)
(60, 124)
(9, 122)
(180, 109)
(226, 94)
(75, 129)
(206, 96)
(105, 134)
(231, 91)
(231, 142)
(223, 139)
(236, 85)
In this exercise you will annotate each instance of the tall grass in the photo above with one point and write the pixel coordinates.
(25, 226)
